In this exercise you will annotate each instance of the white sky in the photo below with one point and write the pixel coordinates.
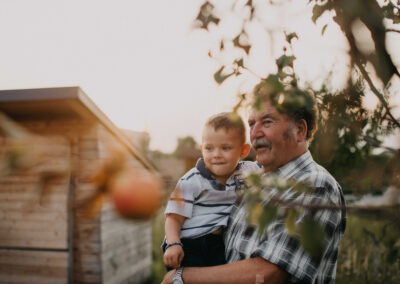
(141, 63)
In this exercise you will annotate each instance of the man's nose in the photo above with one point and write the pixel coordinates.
(255, 131)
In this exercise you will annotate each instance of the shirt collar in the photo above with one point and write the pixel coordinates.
(293, 167)
(201, 167)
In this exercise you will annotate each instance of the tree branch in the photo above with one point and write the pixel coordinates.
(375, 91)
(393, 30)
(322, 206)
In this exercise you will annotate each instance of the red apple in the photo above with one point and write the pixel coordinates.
(136, 194)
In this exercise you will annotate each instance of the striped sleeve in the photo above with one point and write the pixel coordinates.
(182, 199)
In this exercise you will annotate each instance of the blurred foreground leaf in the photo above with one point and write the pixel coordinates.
(290, 221)
(312, 237)
(267, 216)
(219, 77)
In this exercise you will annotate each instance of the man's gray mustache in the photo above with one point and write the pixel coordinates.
(261, 142)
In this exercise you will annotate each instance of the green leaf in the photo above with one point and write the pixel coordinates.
(236, 42)
(318, 10)
(391, 12)
(284, 61)
(206, 16)
(291, 36)
(323, 29)
(255, 212)
(253, 179)
(267, 88)
(239, 62)
(301, 187)
(312, 237)
(219, 77)
(290, 221)
(267, 216)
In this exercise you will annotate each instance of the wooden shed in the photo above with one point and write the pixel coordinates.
(43, 237)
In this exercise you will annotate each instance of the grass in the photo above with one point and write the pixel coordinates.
(370, 251)
(158, 268)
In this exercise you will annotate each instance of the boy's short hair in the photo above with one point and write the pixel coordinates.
(228, 121)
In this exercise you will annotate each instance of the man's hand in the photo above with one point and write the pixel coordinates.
(173, 256)
(168, 277)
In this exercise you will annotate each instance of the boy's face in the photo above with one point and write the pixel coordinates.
(222, 150)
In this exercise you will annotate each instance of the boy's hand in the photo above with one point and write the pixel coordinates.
(168, 277)
(173, 256)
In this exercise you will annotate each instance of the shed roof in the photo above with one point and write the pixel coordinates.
(61, 102)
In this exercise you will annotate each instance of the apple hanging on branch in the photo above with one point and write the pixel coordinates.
(135, 193)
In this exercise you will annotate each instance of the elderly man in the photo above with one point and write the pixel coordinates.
(280, 134)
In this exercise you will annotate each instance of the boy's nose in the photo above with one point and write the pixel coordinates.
(217, 153)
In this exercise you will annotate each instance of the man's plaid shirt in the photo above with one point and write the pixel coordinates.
(243, 241)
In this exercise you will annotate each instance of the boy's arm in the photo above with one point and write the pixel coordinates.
(173, 225)
(243, 271)
(174, 254)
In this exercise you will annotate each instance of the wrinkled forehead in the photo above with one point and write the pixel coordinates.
(266, 109)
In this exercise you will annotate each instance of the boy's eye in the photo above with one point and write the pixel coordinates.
(226, 148)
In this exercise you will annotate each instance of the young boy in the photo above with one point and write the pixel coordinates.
(199, 208)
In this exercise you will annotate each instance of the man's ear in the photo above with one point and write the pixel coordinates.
(301, 130)
(245, 151)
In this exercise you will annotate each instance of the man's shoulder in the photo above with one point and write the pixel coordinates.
(317, 176)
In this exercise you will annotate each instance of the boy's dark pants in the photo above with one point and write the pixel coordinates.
(207, 250)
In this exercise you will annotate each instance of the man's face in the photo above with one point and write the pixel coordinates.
(273, 136)
(222, 150)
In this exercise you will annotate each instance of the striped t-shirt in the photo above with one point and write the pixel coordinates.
(204, 201)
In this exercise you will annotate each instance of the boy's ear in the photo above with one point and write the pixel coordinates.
(201, 149)
(245, 151)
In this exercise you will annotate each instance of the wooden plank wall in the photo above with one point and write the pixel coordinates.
(125, 244)
(87, 247)
(24, 266)
(82, 138)
(126, 248)
(34, 220)
(30, 220)
(106, 248)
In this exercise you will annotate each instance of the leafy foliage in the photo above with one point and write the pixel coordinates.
(266, 205)
(206, 16)
(349, 134)
(347, 137)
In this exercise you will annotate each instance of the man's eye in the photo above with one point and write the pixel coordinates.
(267, 121)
